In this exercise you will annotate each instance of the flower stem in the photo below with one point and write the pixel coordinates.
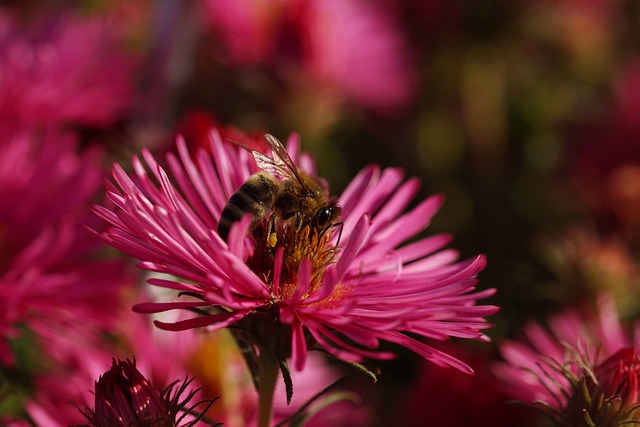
(268, 376)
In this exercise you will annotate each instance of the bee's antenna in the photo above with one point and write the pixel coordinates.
(239, 144)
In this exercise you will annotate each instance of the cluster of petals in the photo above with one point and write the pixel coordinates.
(48, 278)
(78, 360)
(74, 362)
(64, 69)
(540, 366)
(377, 289)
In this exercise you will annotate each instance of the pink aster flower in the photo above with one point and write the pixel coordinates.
(49, 275)
(306, 290)
(586, 365)
(63, 69)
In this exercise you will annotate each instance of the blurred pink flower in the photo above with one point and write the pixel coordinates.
(63, 380)
(352, 47)
(195, 125)
(163, 356)
(75, 362)
(49, 275)
(357, 48)
(580, 353)
(371, 291)
(248, 29)
(68, 69)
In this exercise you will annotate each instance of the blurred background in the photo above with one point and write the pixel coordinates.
(525, 114)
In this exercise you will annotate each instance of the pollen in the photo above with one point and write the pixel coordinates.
(297, 245)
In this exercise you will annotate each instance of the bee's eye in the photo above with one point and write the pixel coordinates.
(311, 195)
(323, 216)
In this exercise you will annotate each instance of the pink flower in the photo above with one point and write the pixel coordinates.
(249, 29)
(357, 48)
(619, 376)
(73, 361)
(66, 69)
(163, 356)
(344, 299)
(352, 48)
(583, 356)
(50, 280)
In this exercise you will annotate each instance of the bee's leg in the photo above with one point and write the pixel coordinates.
(297, 222)
(272, 236)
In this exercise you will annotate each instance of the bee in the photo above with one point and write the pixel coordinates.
(291, 194)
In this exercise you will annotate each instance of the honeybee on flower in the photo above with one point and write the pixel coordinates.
(304, 292)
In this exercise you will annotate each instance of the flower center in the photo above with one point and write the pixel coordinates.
(296, 245)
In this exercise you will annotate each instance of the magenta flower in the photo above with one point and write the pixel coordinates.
(75, 362)
(49, 276)
(356, 48)
(344, 299)
(587, 365)
(72, 363)
(618, 379)
(248, 29)
(351, 48)
(64, 69)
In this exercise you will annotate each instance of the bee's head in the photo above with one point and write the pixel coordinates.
(326, 215)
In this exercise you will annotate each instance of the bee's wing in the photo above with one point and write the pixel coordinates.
(280, 163)
(280, 154)
(271, 166)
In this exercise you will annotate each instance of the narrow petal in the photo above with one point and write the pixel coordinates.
(214, 322)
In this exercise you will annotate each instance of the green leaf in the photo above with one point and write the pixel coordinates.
(286, 376)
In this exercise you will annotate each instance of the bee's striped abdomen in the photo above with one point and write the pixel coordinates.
(255, 197)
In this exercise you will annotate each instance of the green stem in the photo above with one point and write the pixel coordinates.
(268, 376)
